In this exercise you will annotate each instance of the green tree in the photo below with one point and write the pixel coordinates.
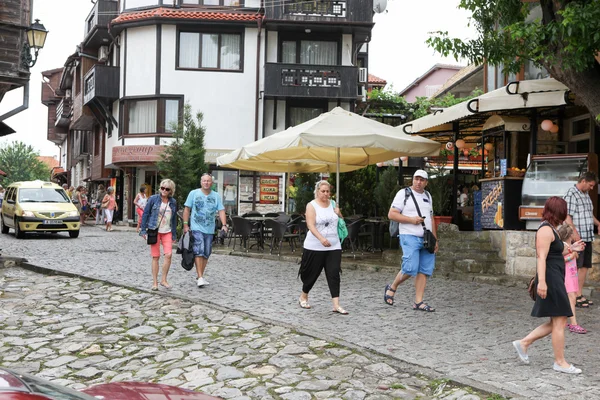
(565, 40)
(20, 163)
(305, 183)
(356, 191)
(386, 190)
(183, 159)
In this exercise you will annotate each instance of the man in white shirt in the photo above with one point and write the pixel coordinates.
(417, 262)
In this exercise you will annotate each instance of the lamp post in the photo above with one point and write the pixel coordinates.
(36, 38)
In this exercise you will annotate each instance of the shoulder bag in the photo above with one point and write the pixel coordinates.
(342, 229)
(152, 234)
(429, 240)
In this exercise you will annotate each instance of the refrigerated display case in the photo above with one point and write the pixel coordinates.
(552, 175)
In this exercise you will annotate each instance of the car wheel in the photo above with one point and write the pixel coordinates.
(74, 234)
(4, 227)
(19, 234)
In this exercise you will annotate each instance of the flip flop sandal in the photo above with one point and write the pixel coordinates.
(154, 288)
(577, 329)
(165, 285)
(341, 311)
(304, 304)
(387, 297)
(423, 307)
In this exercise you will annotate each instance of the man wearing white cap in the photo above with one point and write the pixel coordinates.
(417, 261)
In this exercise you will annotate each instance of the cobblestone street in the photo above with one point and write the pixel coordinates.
(72, 331)
(468, 339)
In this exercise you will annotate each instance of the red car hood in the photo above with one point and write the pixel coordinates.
(143, 391)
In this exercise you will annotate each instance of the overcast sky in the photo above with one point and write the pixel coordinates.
(398, 53)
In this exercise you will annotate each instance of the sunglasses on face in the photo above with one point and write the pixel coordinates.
(165, 188)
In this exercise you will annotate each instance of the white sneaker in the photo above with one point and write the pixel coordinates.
(205, 282)
(201, 282)
(570, 370)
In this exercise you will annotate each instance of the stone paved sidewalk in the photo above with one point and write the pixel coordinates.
(468, 339)
(78, 333)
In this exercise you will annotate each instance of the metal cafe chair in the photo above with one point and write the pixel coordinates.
(252, 214)
(280, 231)
(245, 230)
(353, 235)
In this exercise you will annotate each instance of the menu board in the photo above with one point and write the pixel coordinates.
(269, 189)
(492, 214)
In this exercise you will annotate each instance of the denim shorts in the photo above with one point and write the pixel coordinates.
(201, 244)
(415, 258)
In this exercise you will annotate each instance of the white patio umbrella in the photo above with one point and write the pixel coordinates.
(336, 141)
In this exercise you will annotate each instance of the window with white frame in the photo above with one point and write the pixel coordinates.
(151, 116)
(210, 50)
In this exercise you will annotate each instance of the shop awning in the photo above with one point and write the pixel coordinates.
(516, 95)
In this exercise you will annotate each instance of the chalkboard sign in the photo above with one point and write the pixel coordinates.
(492, 200)
(477, 211)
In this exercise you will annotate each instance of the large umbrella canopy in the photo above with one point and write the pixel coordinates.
(313, 146)
(336, 141)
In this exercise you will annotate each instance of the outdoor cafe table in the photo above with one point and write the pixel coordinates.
(260, 221)
(377, 232)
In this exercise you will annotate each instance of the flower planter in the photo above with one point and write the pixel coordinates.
(441, 218)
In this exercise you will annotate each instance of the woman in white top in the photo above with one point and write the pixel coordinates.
(140, 204)
(322, 247)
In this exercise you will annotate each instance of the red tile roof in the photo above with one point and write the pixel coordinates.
(376, 80)
(188, 14)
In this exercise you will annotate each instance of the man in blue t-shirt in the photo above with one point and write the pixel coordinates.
(199, 213)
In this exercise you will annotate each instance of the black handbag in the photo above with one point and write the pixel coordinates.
(152, 234)
(429, 240)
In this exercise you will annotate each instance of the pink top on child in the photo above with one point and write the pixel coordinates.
(571, 278)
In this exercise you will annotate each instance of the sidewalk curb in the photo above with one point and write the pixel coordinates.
(415, 369)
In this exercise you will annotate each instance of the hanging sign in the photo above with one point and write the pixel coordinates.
(269, 190)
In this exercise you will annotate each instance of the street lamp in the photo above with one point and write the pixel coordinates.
(36, 38)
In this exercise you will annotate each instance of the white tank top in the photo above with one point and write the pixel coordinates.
(326, 223)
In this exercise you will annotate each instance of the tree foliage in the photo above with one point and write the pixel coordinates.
(305, 184)
(386, 190)
(183, 160)
(561, 36)
(356, 191)
(20, 163)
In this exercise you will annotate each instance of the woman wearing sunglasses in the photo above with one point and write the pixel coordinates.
(161, 213)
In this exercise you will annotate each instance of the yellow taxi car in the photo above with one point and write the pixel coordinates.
(38, 206)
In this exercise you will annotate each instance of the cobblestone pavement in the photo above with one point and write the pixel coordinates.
(78, 332)
(468, 338)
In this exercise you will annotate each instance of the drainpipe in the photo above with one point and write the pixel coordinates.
(257, 101)
(22, 107)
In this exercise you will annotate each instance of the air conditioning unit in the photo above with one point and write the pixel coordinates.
(362, 94)
(68, 93)
(103, 53)
(363, 75)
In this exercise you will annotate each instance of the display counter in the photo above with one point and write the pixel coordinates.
(500, 201)
(551, 175)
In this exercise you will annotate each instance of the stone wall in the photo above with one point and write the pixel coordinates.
(517, 248)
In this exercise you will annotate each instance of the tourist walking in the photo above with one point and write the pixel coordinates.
(140, 204)
(161, 213)
(571, 279)
(99, 210)
(417, 261)
(109, 204)
(551, 300)
(201, 207)
(322, 247)
(580, 215)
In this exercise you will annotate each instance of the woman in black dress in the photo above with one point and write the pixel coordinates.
(552, 300)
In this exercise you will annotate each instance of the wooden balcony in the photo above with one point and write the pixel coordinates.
(101, 82)
(322, 81)
(96, 24)
(81, 147)
(63, 113)
(329, 11)
(82, 118)
(56, 134)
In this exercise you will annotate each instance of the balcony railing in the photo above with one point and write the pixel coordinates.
(101, 82)
(299, 80)
(321, 10)
(63, 113)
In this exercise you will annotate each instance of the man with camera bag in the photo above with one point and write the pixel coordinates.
(412, 208)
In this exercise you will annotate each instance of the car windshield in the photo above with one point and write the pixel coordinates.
(42, 195)
(51, 390)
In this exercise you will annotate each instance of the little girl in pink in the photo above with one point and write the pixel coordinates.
(571, 278)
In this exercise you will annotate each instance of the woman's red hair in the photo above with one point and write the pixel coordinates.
(555, 211)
